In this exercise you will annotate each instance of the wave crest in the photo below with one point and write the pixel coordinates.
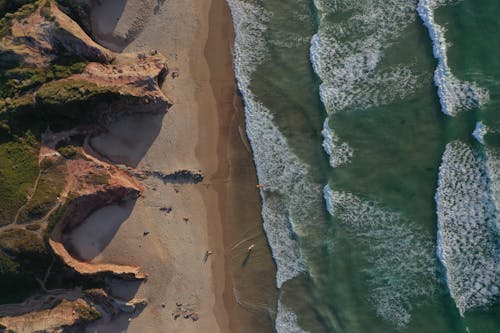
(468, 243)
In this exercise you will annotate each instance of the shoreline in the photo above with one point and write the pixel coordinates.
(221, 214)
(239, 201)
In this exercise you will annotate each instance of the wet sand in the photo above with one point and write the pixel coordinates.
(231, 291)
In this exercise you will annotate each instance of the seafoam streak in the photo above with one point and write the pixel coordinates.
(347, 54)
(401, 263)
(468, 239)
(454, 95)
(340, 152)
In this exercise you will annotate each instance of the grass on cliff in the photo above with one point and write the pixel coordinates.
(7, 265)
(87, 312)
(18, 172)
(69, 151)
(56, 216)
(15, 9)
(17, 282)
(51, 184)
(71, 91)
(22, 243)
(16, 81)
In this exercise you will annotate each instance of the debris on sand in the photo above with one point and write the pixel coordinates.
(185, 312)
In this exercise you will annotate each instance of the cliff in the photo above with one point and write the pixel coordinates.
(58, 88)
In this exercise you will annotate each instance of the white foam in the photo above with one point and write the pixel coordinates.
(479, 132)
(400, 259)
(290, 199)
(249, 23)
(286, 321)
(468, 227)
(454, 95)
(346, 55)
(340, 152)
(493, 171)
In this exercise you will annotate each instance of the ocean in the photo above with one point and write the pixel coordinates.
(376, 136)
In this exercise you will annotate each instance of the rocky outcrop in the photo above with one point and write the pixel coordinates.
(130, 85)
(91, 184)
(47, 34)
(61, 72)
(58, 77)
(64, 311)
(89, 197)
(176, 177)
(65, 315)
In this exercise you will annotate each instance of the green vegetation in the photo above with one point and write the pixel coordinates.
(18, 172)
(7, 265)
(69, 151)
(18, 80)
(101, 178)
(29, 256)
(70, 91)
(56, 216)
(9, 6)
(22, 243)
(16, 285)
(16, 105)
(14, 82)
(87, 312)
(50, 185)
(18, 110)
(15, 9)
(33, 99)
(63, 71)
(46, 163)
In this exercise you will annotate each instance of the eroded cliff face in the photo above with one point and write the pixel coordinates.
(40, 37)
(63, 311)
(57, 89)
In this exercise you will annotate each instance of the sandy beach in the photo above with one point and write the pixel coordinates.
(169, 230)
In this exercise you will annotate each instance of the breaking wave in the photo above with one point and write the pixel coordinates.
(291, 202)
(468, 242)
(401, 265)
(339, 152)
(286, 321)
(479, 132)
(454, 95)
(346, 54)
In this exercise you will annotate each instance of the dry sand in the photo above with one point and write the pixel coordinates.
(231, 291)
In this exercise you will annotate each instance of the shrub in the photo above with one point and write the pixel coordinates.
(18, 10)
(87, 312)
(23, 243)
(69, 151)
(7, 266)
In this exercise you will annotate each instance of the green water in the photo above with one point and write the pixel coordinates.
(370, 266)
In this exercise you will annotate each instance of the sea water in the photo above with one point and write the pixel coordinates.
(375, 132)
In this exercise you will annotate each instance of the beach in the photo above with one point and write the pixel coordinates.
(190, 239)
(249, 166)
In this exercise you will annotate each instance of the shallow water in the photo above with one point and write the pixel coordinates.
(378, 198)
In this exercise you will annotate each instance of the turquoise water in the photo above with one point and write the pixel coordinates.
(374, 129)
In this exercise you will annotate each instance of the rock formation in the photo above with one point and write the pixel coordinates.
(58, 88)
